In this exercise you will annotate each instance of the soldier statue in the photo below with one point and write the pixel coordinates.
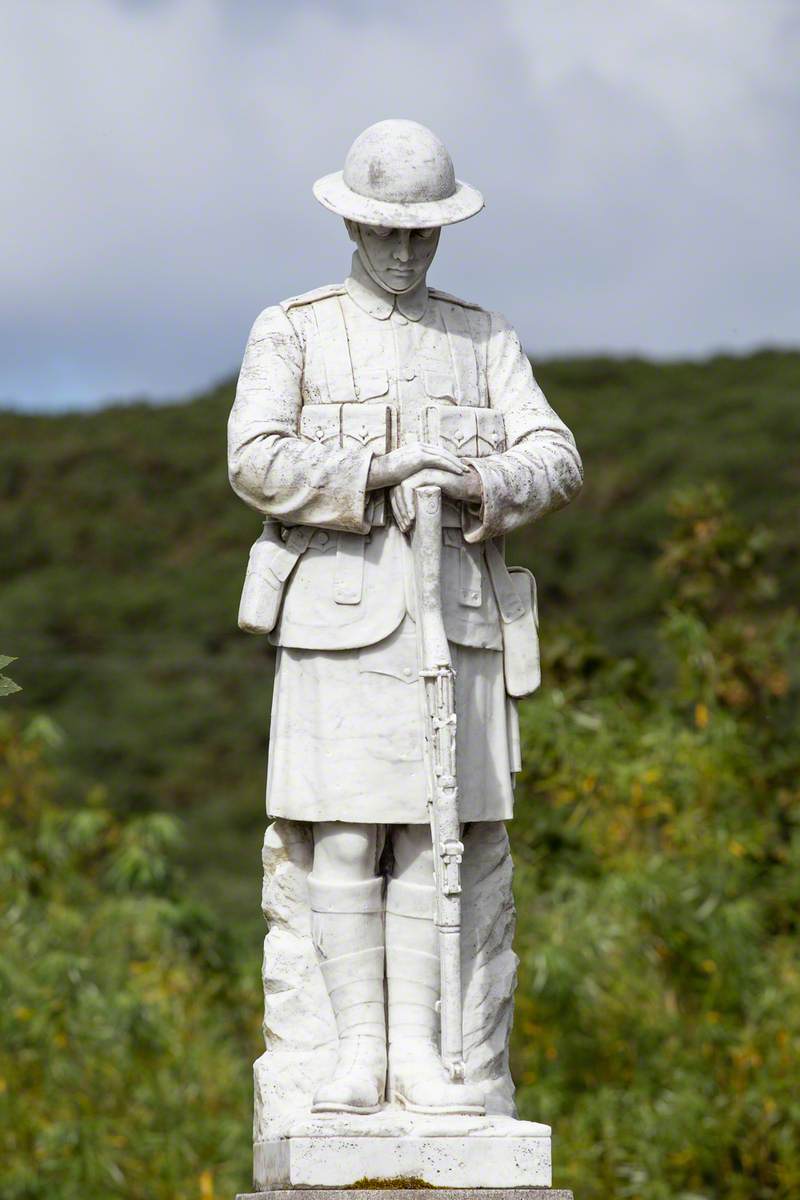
(351, 399)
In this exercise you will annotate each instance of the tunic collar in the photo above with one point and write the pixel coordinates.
(373, 299)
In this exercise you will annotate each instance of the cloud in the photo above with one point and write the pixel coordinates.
(638, 162)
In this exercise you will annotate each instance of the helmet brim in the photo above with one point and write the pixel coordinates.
(334, 194)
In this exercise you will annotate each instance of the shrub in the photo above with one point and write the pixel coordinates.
(125, 1029)
(657, 847)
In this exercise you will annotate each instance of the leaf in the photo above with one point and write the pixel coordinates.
(7, 686)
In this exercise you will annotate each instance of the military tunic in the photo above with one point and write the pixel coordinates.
(346, 731)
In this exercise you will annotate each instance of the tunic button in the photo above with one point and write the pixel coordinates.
(409, 374)
(400, 319)
(407, 672)
(323, 538)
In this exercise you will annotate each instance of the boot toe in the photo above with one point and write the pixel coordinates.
(444, 1096)
(422, 1084)
(350, 1093)
(358, 1080)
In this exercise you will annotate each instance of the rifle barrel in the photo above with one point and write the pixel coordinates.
(439, 715)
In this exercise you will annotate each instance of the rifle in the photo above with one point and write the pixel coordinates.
(439, 748)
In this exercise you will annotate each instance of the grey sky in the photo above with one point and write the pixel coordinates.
(639, 159)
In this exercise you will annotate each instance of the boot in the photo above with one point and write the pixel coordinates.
(417, 1077)
(347, 928)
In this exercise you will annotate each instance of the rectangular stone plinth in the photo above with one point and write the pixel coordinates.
(411, 1194)
(473, 1162)
(338, 1151)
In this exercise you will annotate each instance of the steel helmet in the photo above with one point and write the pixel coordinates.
(399, 174)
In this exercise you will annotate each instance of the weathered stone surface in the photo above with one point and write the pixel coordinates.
(437, 1159)
(394, 1122)
(416, 166)
(405, 642)
(299, 1027)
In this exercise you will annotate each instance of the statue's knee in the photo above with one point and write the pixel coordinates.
(344, 851)
(413, 853)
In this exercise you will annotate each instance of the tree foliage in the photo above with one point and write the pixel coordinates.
(123, 549)
(657, 844)
(656, 838)
(126, 1027)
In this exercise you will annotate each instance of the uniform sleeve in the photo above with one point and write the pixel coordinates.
(269, 466)
(540, 471)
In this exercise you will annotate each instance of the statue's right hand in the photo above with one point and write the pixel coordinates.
(387, 470)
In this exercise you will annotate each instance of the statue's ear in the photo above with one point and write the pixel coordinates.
(352, 230)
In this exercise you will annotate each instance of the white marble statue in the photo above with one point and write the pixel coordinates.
(354, 401)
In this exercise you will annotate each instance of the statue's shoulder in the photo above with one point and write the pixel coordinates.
(316, 294)
(477, 319)
(448, 299)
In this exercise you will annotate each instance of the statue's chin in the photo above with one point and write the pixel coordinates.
(390, 282)
(398, 287)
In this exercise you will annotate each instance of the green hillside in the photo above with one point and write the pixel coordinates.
(122, 552)
(657, 830)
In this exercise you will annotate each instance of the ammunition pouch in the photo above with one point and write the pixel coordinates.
(515, 592)
(272, 559)
(468, 432)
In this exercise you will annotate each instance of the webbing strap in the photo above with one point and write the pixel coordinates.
(506, 595)
(463, 354)
(480, 325)
(348, 582)
(336, 350)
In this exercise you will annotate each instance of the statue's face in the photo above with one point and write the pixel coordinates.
(397, 259)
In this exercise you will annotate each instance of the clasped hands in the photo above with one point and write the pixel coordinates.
(420, 465)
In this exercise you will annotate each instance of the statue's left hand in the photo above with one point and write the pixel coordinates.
(465, 488)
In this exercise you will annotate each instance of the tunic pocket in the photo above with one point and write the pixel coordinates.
(371, 382)
(395, 656)
(470, 590)
(391, 707)
(440, 385)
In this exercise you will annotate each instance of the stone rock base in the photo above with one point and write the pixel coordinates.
(298, 1019)
(412, 1194)
(338, 1151)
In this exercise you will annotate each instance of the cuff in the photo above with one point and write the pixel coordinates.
(483, 520)
(355, 494)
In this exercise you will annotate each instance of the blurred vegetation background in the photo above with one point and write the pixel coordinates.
(657, 836)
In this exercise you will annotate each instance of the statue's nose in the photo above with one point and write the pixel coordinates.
(401, 250)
